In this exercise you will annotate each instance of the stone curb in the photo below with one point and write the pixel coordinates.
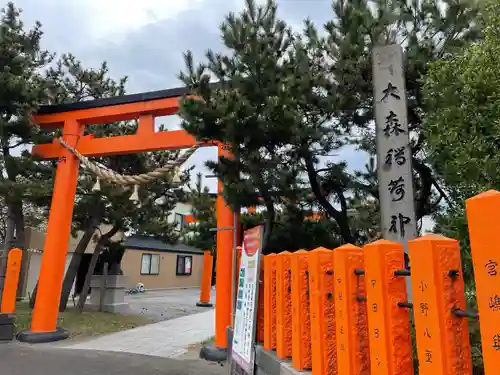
(269, 364)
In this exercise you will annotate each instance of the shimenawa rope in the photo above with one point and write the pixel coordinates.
(136, 180)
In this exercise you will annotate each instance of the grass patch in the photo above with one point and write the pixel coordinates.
(211, 339)
(203, 343)
(84, 325)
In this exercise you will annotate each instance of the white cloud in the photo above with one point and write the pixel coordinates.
(112, 18)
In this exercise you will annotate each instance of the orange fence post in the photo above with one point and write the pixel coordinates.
(437, 289)
(322, 309)
(283, 306)
(389, 324)
(483, 215)
(11, 280)
(206, 280)
(301, 320)
(260, 305)
(353, 357)
(270, 302)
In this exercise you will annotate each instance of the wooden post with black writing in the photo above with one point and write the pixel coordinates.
(389, 323)
(322, 292)
(483, 213)
(283, 305)
(301, 319)
(438, 290)
(353, 357)
(270, 302)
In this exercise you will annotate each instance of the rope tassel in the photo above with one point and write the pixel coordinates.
(97, 185)
(135, 195)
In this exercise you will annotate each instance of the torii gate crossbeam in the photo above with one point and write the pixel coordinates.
(73, 118)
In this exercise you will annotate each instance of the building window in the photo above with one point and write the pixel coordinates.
(179, 222)
(150, 264)
(184, 265)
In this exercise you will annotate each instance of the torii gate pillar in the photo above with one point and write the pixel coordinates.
(225, 248)
(44, 321)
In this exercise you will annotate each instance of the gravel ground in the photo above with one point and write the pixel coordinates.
(166, 304)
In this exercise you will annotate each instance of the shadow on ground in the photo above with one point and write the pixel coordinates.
(18, 359)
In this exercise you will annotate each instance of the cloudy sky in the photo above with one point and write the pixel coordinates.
(145, 40)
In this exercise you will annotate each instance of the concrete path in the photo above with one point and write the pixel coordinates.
(168, 339)
(26, 360)
(166, 304)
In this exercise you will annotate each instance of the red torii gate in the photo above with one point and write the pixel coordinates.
(73, 118)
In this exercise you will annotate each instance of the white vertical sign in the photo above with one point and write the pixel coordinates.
(393, 146)
(245, 322)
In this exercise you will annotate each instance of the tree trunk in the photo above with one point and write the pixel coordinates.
(88, 277)
(19, 223)
(9, 239)
(269, 225)
(74, 265)
(33, 296)
(422, 200)
(93, 262)
(72, 270)
(339, 216)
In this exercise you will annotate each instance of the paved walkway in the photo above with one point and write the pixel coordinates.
(168, 339)
(25, 360)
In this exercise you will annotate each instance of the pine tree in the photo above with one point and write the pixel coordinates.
(203, 211)
(461, 94)
(22, 88)
(113, 205)
(263, 106)
(461, 127)
(287, 101)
